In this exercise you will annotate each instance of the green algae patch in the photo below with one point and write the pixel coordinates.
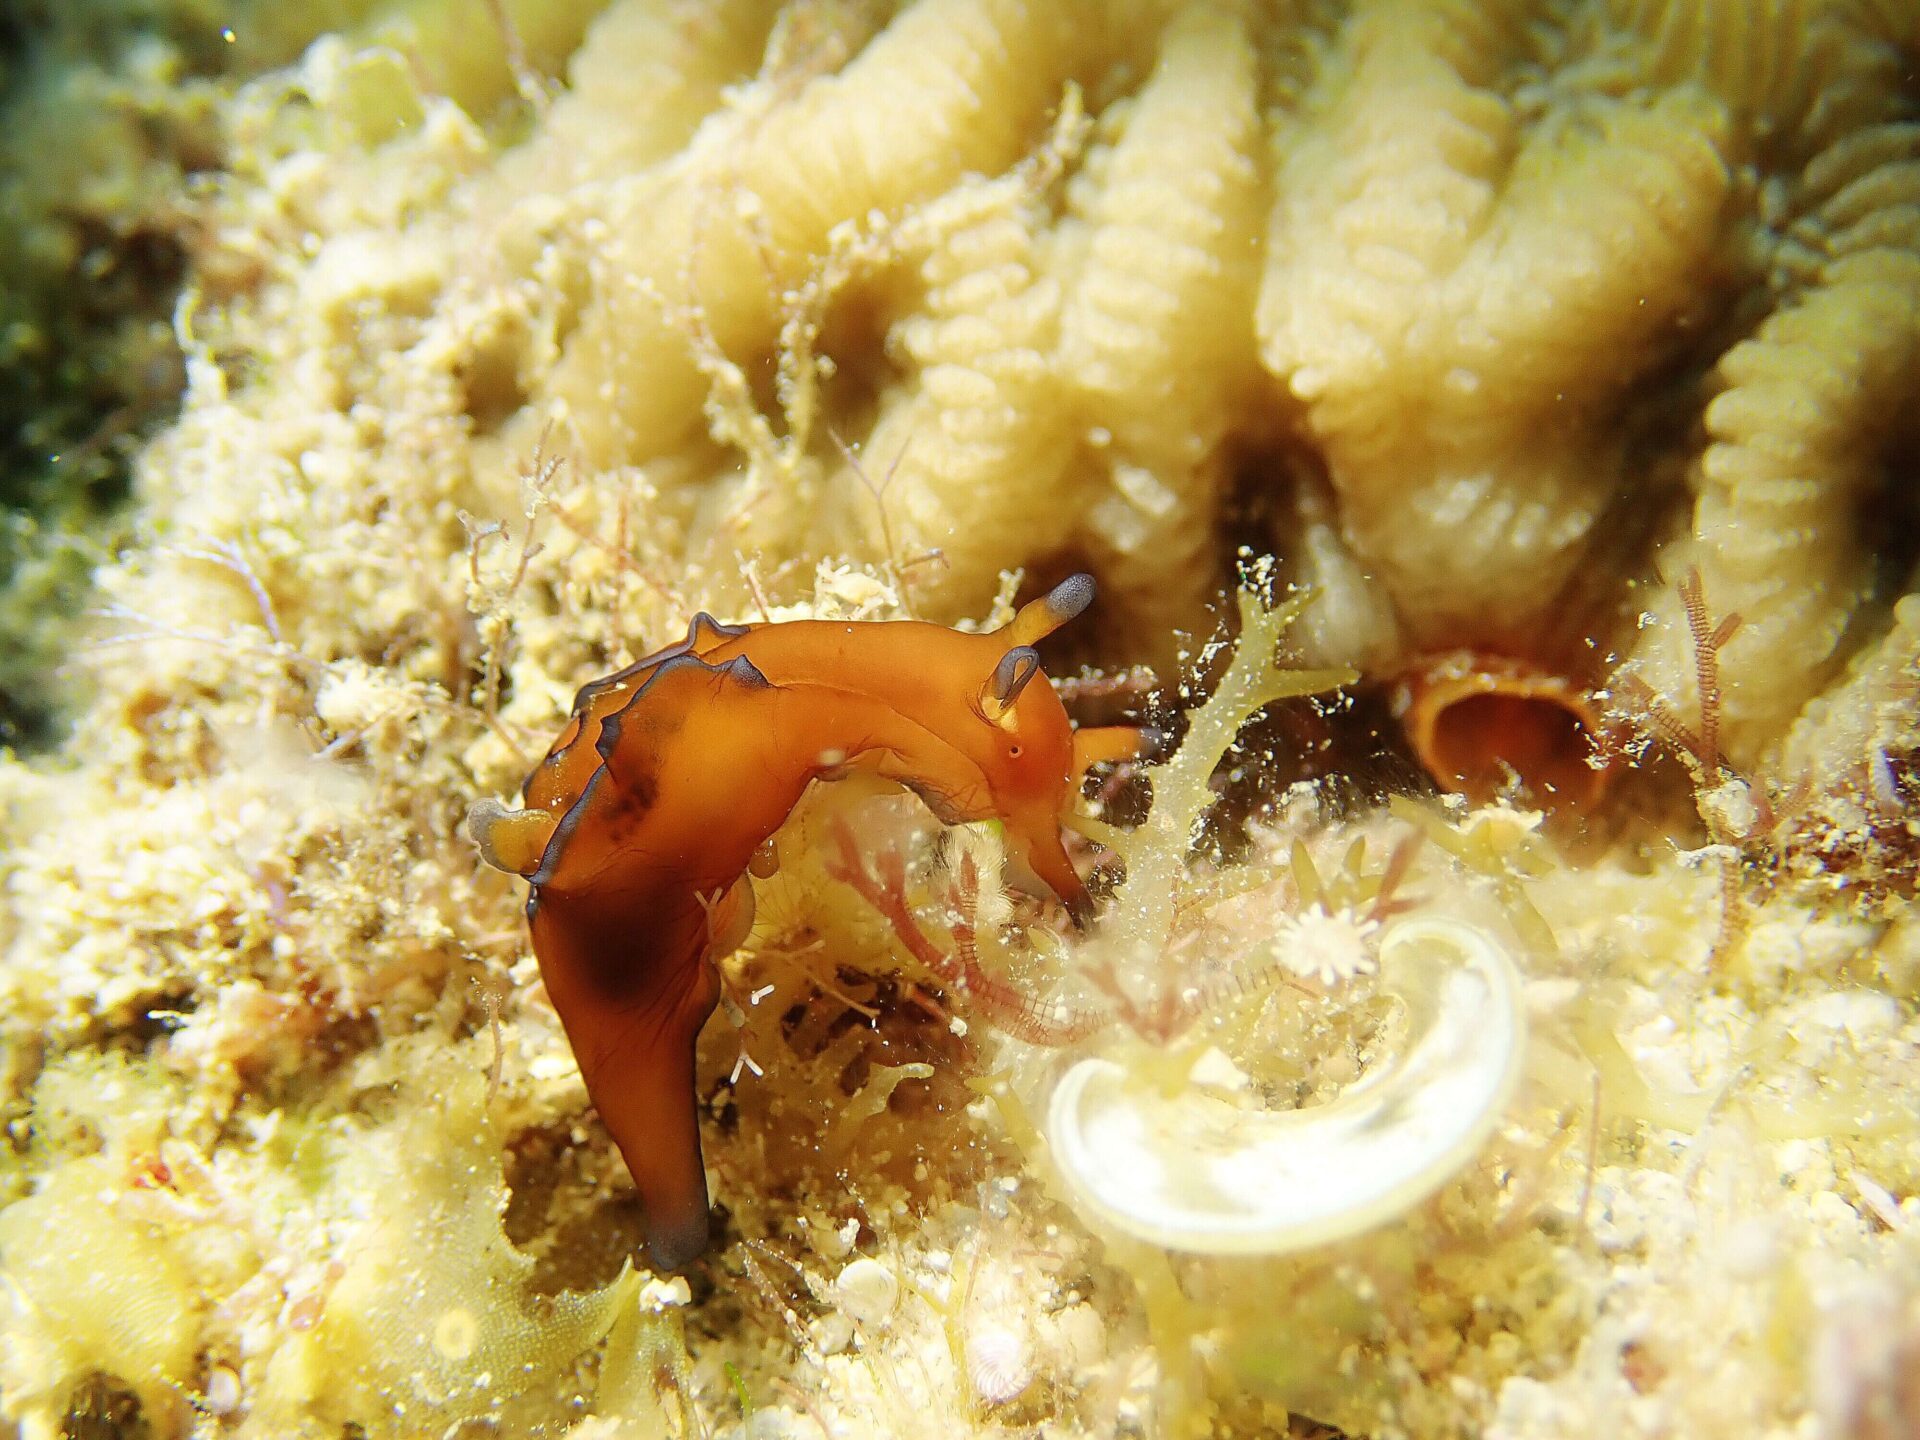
(433, 1319)
(90, 1288)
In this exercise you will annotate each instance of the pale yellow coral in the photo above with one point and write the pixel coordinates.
(986, 405)
(1440, 280)
(1155, 341)
(1812, 407)
(751, 206)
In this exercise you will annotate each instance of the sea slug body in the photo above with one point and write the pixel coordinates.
(640, 825)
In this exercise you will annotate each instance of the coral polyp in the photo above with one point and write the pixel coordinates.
(1485, 724)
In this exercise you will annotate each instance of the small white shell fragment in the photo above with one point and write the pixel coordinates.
(832, 1332)
(777, 1422)
(222, 1395)
(552, 1066)
(1076, 1337)
(1216, 1072)
(999, 1363)
(658, 1295)
(867, 1291)
(1193, 1172)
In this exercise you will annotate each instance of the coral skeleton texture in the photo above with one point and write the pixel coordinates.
(1542, 335)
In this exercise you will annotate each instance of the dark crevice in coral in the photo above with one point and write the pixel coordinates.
(1257, 510)
(103, 1407)
(491, 387)
(164, 1014)
(1889, 515)
(1351, 750)
(860, 368)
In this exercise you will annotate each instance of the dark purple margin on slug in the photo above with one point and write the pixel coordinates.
(739, 669)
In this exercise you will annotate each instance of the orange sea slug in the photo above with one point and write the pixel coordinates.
(640, 824)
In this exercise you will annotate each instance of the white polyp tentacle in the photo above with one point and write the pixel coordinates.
(1199, 1173)
(744, 1062)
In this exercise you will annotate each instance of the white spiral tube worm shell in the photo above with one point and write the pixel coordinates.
(1197, 1173)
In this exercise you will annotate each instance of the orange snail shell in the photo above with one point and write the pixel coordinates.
(1476, 718)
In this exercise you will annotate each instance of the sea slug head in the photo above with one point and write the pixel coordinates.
(1028, 760)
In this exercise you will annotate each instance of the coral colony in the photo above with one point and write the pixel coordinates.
(1428, 950)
